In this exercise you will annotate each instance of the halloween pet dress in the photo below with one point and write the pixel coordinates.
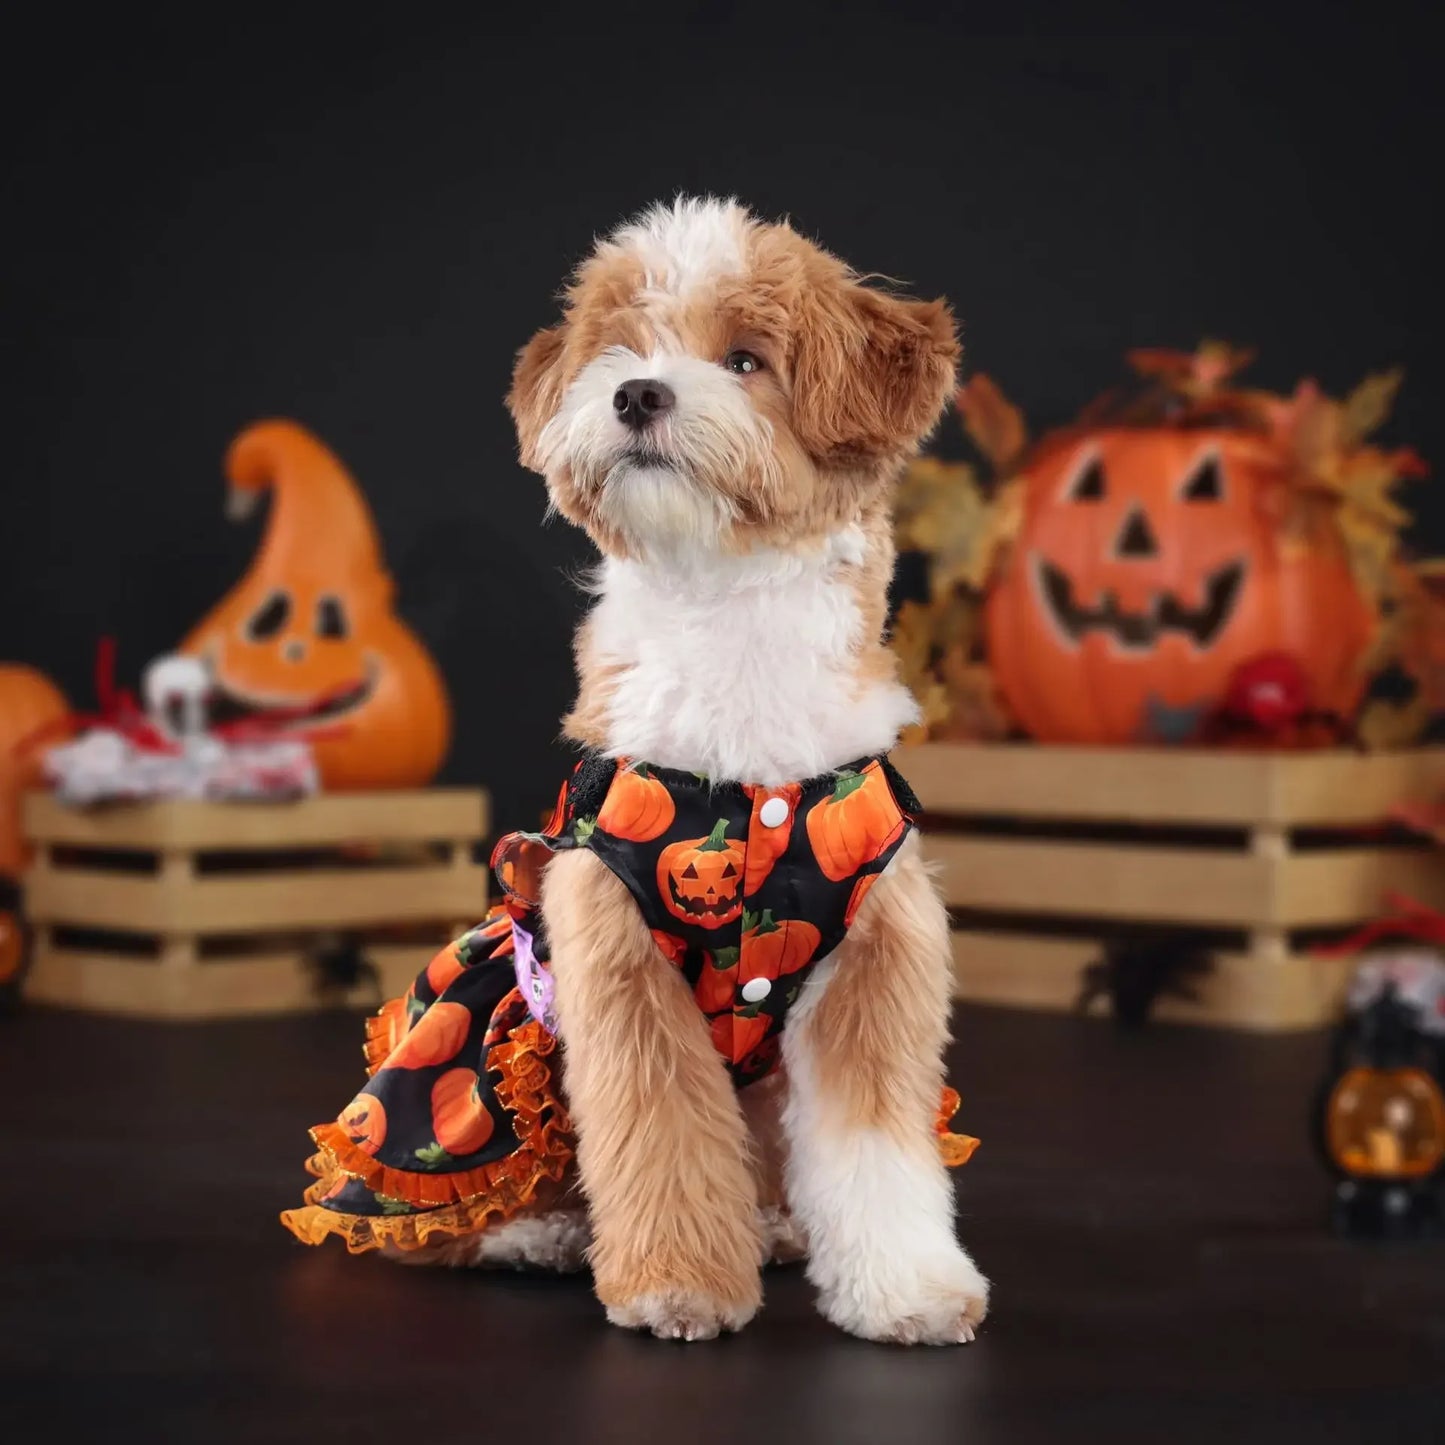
(745, 890)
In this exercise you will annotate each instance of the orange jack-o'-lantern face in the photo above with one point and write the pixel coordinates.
(1148, 567)
(1386, 1124)
(701, 879)
(307, 638)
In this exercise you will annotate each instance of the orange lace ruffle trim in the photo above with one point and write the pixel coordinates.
(453, 1203)
(956, 1149)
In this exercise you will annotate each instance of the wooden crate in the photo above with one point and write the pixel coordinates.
(1045, 850)
(188, 910)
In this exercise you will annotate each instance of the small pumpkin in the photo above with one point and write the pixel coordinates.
(735, 1035)
(444, 969)
(638, 806)
(30, 704)
(672, 948)
(1386, 1123)
(700, 880)
(436, 1037)
(717, 981)
(772, 948)
(363, 1121)
(855, 823)
(460, 1119)
(855, 900)
(308, 637)
(766, 845)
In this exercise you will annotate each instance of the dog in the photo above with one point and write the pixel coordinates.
(724, 408)
(744, 954)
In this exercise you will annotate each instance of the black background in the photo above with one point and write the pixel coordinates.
(356, 222)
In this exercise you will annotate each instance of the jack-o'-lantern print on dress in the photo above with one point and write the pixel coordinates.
(745, 890)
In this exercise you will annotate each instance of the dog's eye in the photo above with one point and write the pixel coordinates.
(742, 363)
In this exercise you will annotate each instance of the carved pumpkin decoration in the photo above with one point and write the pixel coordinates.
(701, 879)
(855, 823)
(638, 807)
(1150, 564)
(308, 635)
(363, 1121)
(29, 705)
(1386, 1123)
(459, 1116)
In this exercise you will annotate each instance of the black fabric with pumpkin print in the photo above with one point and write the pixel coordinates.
(744, 888)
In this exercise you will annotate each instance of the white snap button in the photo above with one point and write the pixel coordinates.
(773, 813)
(755, 990)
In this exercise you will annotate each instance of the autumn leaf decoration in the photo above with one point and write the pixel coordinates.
(960, 524)
(964, 523)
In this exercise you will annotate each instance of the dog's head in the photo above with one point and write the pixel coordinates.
(719, 383)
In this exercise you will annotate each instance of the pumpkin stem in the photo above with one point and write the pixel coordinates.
(717, 840)
(724, 958)
(848, 782)
(761, 926)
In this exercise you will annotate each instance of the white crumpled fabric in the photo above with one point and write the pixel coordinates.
(105, 766)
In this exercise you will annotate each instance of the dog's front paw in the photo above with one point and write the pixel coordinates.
(681, 1314)
(938, 1302)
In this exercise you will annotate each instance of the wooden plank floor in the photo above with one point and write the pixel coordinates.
(1148, 1207)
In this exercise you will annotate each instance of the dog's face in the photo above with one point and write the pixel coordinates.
(717, 383)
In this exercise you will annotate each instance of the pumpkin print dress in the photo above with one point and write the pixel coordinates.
(745, 889)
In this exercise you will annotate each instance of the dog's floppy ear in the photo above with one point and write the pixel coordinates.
(872, 373)
(536, 390)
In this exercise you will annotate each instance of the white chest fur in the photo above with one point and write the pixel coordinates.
(742, 668)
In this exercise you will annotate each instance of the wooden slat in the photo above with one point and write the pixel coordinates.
(1198, 886)
(331, 819)
(1142, 785)
(1347, 789)
(264, 984)
(1349, 885)
(1111, 881)
(1021, 971)
(1164, 786)
(323, 898)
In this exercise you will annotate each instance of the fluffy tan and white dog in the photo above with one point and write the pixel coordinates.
(724, 407)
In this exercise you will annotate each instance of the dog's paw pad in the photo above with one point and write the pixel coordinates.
(681, 1315)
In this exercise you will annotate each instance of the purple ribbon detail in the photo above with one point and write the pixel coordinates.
(534, 979)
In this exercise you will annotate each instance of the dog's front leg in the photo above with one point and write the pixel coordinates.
(661, 1144)
(865, 1178)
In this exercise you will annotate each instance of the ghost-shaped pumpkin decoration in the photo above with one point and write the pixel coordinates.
(307, 639)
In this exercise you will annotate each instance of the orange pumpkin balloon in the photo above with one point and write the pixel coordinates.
(29, 703)
(458, 1115)
(1148, 567)
(308, 633)
(701, 879)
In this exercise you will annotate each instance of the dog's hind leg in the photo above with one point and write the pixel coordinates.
(661, 1144)
(865, 1176)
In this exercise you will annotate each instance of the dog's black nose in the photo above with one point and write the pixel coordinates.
(637, 402)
